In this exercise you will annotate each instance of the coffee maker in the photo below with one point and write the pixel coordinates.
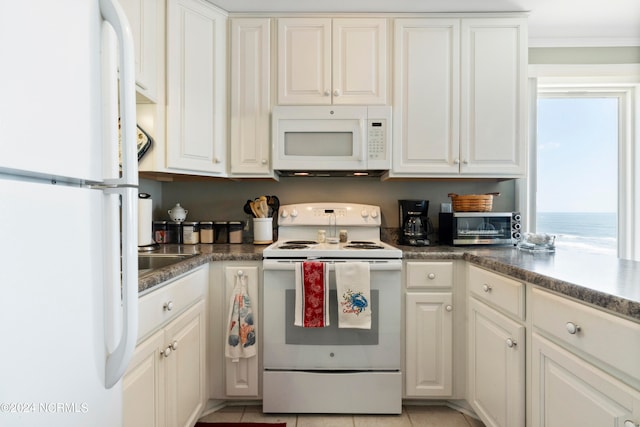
(415, 226)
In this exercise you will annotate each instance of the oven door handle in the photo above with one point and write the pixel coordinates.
(289, 265)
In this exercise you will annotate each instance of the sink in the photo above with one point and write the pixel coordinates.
(150, 262)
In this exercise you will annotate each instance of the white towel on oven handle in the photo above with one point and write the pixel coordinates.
(353, 288)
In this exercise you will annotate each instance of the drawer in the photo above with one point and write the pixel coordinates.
(499, 291)
(606, 337)
(159, 306)
(429, 274)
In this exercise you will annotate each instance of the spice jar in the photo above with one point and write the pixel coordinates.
(206, 231)
(322, 236)
(160, 231)
(343, 236)
(235, 231)
(190, 232)
(174, 232)
(221, 231)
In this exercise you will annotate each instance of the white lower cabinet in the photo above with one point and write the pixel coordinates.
(567, 391)
(429, 319)
(496, 366)
(165, 384)
(233, 379)
(429, 344)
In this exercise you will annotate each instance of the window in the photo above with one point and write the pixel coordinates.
(584, 168)
(577, 170)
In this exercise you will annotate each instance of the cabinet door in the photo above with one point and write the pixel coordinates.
(304, 61)
(143, 385)
(359, 61)
(242, 375)
(143, 18)
(493, 93)
(426, 96)
(196, 87)
(567, 391)
(496, 367)
(250, 101)
(185, 367)
(429, 344)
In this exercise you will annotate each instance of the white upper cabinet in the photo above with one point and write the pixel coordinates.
(493, 93)
(426, 106)
(459, 97)
(196, 87)
(250, 100)
(324, 61)
(143, 19)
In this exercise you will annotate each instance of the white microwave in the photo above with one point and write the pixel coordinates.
(331, 138)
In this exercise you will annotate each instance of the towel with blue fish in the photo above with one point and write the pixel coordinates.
(241, 336)
(353, 289)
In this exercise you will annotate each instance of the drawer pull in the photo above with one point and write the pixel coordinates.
(629, 423)
(448, 307)
(168, 306)
(166, 352)
(572, 328)
(486, 288)
(174, 345)
(431, 276)
(511, 343)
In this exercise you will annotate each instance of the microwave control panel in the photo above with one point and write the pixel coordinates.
(377, 145)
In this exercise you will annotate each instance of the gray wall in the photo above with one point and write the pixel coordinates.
(585, 55)
(224, 200)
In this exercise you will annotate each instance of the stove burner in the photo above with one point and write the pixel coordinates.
(293, 246)
(361, 242)
(363, 246)
(300, 242)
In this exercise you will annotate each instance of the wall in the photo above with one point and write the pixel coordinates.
(585, 55)
(224, 200)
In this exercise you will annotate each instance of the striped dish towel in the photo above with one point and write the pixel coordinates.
(312, 295)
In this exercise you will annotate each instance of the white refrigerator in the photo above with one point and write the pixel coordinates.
(68, 212)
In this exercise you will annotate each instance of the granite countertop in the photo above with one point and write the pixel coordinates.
(604, 281)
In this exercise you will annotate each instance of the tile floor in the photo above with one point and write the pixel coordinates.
(423, 416)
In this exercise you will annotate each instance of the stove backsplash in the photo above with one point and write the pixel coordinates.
(224, 199)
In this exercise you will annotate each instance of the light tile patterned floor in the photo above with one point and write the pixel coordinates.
(422, 416)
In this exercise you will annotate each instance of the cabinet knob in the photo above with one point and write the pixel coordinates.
(629, 423)
(174, 345)
(337, 92)
(431, 276)
(216, 160)
(486, 288)
(264, 161)
(572, 328)
(166, 352)
(466, 162)
(511, 343)
(327, 92)
(456, 161)
(448, 307)
(168, 306)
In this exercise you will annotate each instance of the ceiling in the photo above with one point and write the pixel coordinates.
(551, 22)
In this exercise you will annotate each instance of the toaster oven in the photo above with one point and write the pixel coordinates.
(479, 228)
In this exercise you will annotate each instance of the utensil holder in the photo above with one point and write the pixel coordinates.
(262, 231)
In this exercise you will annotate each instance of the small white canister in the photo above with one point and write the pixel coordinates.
(262, 231)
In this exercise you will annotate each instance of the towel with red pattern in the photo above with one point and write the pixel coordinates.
(312, 295)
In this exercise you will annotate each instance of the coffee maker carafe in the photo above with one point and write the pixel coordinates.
(415, 226)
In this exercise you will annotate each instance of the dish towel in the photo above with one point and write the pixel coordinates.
(312, 295)
(353, 289)
(241, 336)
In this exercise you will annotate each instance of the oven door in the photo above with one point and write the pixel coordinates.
(289, 347)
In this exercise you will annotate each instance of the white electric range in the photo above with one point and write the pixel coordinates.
(331, 369)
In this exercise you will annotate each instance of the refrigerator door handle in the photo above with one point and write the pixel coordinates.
(118, 360)
(113, 13)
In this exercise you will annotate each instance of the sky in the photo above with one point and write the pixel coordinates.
(577, 154)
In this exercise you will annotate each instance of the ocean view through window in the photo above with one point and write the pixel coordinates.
(577, 171)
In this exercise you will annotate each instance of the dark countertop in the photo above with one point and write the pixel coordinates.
(604, 281)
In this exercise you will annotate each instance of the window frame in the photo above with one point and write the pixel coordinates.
(572, 82)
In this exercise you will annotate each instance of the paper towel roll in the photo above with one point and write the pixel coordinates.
(145, 220)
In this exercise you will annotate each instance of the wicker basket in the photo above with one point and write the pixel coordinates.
(472, 202)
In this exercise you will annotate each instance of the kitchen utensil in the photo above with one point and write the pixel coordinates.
(274, 203)
(247, 208)
(264, 207)
(472, 202)
(254, 211)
